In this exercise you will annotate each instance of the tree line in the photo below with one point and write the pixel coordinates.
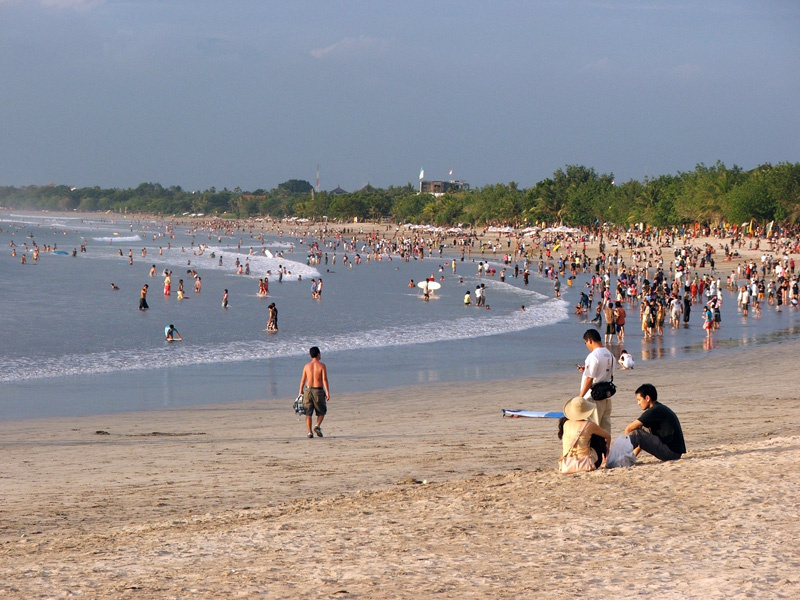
(575, 194)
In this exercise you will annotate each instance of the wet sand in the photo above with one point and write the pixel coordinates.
(417, 492)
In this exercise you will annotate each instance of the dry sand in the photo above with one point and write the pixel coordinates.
(234, 502)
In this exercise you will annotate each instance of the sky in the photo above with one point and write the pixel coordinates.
(249, 93)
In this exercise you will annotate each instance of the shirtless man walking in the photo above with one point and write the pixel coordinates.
(317, 394)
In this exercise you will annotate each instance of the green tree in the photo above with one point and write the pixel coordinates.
(751, 200)
(703, 194)
(314, 207)
(408, 208)
(348, 206)
(783, 181)
(542, 202)
(296, 187)
(496, 204)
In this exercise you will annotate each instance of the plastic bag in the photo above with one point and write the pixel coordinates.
(621, 453)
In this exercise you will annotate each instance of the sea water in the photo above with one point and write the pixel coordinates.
(74, 346)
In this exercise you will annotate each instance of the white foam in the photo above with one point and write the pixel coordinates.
(495, 284)
(17, 369)
(260, 266)
(63, 222)
(119, 238)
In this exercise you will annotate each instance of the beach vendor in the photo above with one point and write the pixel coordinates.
(657, 430)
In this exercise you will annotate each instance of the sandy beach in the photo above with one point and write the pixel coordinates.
(413, 493)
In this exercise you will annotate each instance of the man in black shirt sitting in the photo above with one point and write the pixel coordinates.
(657, 430)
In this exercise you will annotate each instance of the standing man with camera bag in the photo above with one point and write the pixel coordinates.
(598, 376)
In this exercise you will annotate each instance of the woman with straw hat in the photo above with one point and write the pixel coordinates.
(575, 431)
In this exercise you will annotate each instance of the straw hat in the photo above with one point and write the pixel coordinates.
(579, 409)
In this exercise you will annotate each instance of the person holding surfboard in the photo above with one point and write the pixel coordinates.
(171, 334)
(428, 287)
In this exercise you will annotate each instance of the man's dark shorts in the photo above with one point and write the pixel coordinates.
(314, 401)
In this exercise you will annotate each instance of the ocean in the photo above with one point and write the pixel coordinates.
(74, 346)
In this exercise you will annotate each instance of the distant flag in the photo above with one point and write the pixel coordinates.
(421, 173)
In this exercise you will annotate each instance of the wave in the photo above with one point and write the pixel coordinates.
(493, 285)
(178, 261)
(63, 222)
(119, 238)
(185, 354)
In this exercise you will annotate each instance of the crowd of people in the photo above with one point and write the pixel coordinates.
(663, 276)
(585, 428)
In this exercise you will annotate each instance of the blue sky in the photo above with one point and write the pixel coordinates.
(249, 93)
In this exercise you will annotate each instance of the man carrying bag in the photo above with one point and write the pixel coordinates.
(598, 375)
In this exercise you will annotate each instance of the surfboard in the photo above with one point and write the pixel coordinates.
(532, 414)
(432, 285)
(61, 252)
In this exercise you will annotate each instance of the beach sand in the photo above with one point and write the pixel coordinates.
(420, 492)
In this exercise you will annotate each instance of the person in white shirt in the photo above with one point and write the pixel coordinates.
(597, 368)
(625, 360)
